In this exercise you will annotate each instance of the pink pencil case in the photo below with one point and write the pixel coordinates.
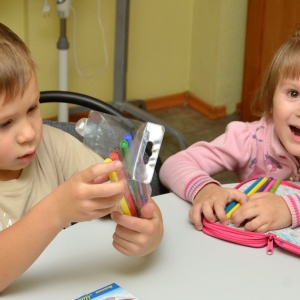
(287, 238)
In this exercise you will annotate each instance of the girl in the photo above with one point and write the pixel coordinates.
(268, 147)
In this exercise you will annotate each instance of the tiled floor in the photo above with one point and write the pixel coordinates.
(194, 126)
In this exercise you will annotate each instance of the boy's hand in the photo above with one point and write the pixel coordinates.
(138, 236)
(210, 202)
(263, 212)
(88, 194)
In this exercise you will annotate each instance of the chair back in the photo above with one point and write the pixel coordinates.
(98, 105)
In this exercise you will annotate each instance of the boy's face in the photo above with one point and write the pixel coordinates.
(286, 114)
(21, 131)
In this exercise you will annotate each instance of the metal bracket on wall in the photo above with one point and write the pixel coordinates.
(120, 70)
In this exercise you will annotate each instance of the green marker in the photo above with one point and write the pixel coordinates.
(275, 186)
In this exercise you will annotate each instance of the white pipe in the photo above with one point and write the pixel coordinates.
(63, 11)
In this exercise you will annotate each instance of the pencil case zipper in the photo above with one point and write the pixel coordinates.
(248, 238)
(285, 244)
(283, 182)
(239, 236)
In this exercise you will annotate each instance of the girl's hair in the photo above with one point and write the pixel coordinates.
(285, 64)
(16, 64)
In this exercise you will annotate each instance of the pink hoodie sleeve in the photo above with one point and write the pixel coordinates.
(186, 172)
(293, 202)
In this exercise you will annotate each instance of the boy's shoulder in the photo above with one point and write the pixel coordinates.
(63, 131)
(56, 136)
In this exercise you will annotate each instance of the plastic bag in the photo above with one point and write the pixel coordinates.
(113, 137)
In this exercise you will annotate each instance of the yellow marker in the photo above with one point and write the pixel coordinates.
(258, 186)
(114, 178)
(255, 189)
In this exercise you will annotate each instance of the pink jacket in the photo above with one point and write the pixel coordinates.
(248, 149)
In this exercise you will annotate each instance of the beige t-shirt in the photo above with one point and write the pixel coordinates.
(58, 157)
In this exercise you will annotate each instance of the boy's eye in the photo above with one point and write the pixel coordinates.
(34, 107)
(5, 124)
(294, 94)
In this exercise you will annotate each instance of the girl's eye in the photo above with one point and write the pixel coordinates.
(293, 94)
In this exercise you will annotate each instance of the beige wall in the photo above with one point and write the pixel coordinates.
(12, 14)
(217, 52)
(159, 47)
(174, 46)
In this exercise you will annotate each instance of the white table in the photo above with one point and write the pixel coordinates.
(187, 265)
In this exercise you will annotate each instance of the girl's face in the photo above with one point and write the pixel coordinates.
(21, 131)
(286, 114)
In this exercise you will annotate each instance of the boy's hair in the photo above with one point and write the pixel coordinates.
(285, 64)
(16, 64)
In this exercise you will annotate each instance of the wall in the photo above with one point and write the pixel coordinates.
(97, 79)
(217, 51)
(159, 47)
(174, 46)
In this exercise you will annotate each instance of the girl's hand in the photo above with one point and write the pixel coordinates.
(138, 236)
(210, 202)
(263, 212)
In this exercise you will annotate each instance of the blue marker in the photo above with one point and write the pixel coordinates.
(230, 205)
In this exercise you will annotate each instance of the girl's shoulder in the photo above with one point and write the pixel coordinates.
(261, 126)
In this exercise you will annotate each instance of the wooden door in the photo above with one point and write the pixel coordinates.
(269, 24)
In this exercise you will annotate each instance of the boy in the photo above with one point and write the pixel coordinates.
(48, 179)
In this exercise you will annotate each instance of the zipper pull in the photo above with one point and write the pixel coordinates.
(270, 245)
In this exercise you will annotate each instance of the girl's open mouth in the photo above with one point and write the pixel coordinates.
(295, 130)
